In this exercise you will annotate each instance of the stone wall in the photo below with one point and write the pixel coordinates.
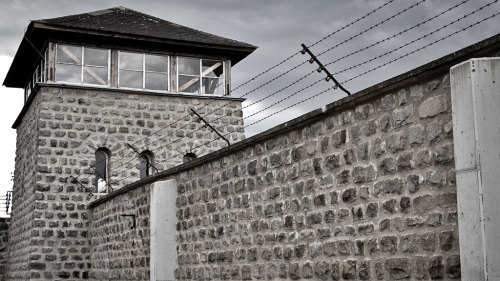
(366, 192)
(4, 251)
(57, 139)
(120, 251)
(361, 190)
(23, 216)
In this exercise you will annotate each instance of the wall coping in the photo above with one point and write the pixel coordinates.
(439, 65)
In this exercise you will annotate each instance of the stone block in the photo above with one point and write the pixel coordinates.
(431, 107)
(398, 268)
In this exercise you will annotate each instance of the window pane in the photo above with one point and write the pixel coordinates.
(212, 68)
(95, 75)
(69, 54)
(130, 79)
(189, 84)
(156, 63)
(69, 73)
(189, 66)
(213, 86)
(156, 81)
(96, 57)
(101, 163)
(130, 61)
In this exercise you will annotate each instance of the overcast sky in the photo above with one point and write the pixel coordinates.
(277, 28)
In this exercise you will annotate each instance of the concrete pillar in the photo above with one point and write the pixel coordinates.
(475, 95)
(163, 247)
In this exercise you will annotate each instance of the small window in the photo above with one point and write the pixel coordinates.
(143, 71)
(200, 76)
(82, 65)
(101, 170)
(188, 157)
(145, 164)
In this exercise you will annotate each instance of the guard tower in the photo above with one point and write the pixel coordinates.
(108, 97)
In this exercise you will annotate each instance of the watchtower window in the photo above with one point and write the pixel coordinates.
(143, 71)
(200, 76)
(82, 65)
(101, 171)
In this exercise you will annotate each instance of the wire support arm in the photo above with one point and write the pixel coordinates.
(329, 76)
(210, 126)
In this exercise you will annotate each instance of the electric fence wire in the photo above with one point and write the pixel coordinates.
(417, 39)
(423, 47)
(352, 37)
(315, 43)
(359, 51)
(368, 71)
(371, 27)
(275, 78)
(398, 34)
(295, 67)
(273, 67)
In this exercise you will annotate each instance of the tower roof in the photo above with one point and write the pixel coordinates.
(127, 21)
(118, 27)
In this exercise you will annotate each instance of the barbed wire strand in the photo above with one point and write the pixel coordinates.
(397, 34)
(314, 44)
(415, 40)
(281, 75)
(366, 72)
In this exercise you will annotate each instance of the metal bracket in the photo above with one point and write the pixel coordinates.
(329, 76)
(210, 126)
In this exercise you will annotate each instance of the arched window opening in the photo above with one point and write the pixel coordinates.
(145, 164)
(188, 157)
(101, 170)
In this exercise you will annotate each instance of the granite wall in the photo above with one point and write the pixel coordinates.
(59, 131)
(366, 192)
(4, 250)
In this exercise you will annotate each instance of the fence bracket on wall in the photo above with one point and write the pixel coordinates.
(210, 126)
(329, 76)
(133, 219)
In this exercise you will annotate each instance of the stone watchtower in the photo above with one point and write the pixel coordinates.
(107, 102)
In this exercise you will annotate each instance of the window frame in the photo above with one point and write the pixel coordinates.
(83, 65)
(106, 179)
(201, 76)
(143, 71)
(148, 155)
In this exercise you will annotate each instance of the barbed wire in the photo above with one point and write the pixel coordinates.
(371, 27)
(364, 73)
(270, 81)
(398, 34)
(352, 78)
(314, 44)
(417, 39)
(423, 47)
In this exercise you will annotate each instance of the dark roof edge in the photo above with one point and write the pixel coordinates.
(60, 27)
(363, 95)
(240, 44)
(104, 89)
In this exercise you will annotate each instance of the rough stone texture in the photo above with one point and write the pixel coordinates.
(363, 191)
(119, 251)
(4, 251)
(56, 142)
(373, 219)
